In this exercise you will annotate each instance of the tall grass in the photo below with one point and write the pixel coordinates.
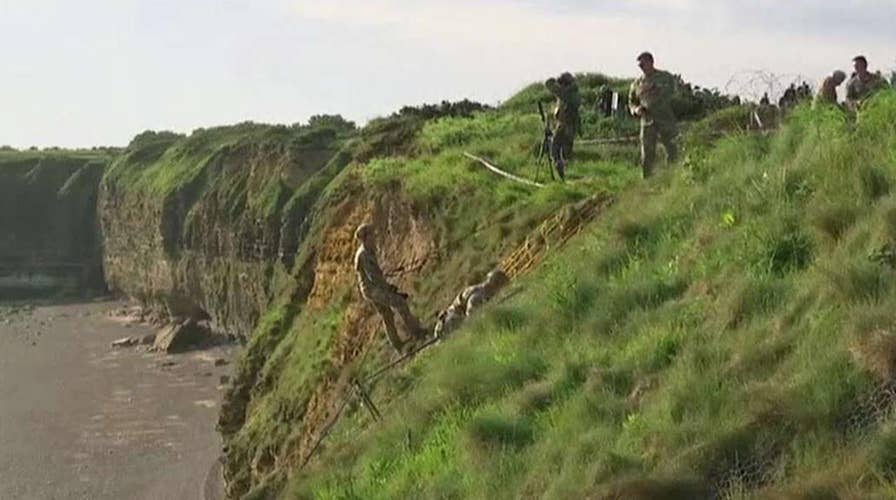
(700, 339)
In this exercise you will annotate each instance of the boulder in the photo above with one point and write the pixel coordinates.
(180, 337)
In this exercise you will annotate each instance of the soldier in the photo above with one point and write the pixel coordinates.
(827, 92)
(789, 99)
(470, 299)
(765, 101)
(384, 296)
(566, 117)
(650, 99)
(804, 92)
(862, 84)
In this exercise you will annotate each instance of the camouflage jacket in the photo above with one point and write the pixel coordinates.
(654, 94)
(566, 111)
(370, 276)
(858, 88)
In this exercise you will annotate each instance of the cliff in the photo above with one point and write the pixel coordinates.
(441, 223)
(49, 235)
(207, 226)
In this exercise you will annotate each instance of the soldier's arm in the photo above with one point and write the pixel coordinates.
(634, 101)
(475, 302)
(851, 93)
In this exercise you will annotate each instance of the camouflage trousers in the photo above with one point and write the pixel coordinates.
(561, 149)
(387, 303)
(449, 321)
(664, 132)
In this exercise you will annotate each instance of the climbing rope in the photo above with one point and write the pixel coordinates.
(485, 163)
(361, 392)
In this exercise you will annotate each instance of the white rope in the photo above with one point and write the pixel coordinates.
(500, 172)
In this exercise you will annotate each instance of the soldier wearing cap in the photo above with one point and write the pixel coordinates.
(467, 301)
(827, 92)
(566, 117)
(650, 99)
(384, 296)
(862, 84)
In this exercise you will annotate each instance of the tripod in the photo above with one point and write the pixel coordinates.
(543, 154)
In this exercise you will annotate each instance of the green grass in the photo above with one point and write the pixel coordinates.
(477, 218)
(700, 336)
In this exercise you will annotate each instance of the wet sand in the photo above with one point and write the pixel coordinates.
(81, 420)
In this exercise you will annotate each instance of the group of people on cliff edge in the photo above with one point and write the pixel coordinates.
(651, 98)
(861, 85)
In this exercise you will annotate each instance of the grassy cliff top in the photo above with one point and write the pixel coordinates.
(12, 161)
(728, 329)
(160, 162)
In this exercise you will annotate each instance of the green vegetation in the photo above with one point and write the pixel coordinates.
(727, 328)
(417, 156)
(160, 162)
(477, 219)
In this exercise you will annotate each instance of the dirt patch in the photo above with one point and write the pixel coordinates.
(405, 243)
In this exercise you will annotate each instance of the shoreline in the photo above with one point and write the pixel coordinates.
(80, 419)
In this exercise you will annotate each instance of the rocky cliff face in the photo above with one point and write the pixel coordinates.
(49, 237)
(207, 226)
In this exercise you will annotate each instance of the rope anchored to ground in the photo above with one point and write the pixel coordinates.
(485, 163)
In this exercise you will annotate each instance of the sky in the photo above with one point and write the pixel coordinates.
(97, 72)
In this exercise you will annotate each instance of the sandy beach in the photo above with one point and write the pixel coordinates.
(80, 419)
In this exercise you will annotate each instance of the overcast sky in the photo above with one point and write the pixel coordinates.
(97, 72)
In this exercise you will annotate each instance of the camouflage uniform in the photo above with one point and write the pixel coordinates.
(382, 295)
(567, 119)
(859, 88)
(467, 301)
(650, 98)
(827, 92)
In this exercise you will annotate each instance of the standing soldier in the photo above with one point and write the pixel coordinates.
(566, 117)
(862, 84)
(827, 92)
(384, 296)
(650, 99)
